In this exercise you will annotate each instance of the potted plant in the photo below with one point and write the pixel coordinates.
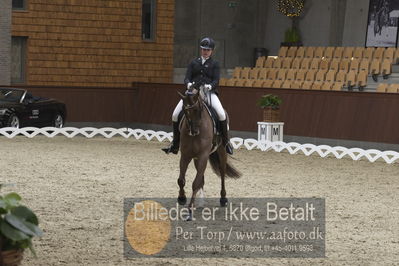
(271, 107)
(293, 9)
(18, 225)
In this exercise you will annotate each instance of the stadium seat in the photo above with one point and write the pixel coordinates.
(337, 86)
(358, 53)
(286, 84)
(354, 65)
(315, 63)
(396, 56)
(307, 85)
(254, 73)
(296, 63)
(300, 75)
(330, 76)
(291, 73)
(240, 82)
(361, 80)
(344, 65)
(320, 75)
(268, 83)
(300, 52)
(338, 52)
(328, 52)
(364, 65)
(231, 82)
(368, 53)
(292, 51)
(282, 52)
(222, 82)
(375, 69)
(277, 84)
(287, 63)
(389, 54)
(379, 53)
(318, 53)
(310, 75)
(296, 84)
(348, 52)
(278, 62)
(258, 83)
(269, 62)
(350, 79)
(326, 86)
(272, 74)
(324, 64)
(245, 73)
(341, 76)
(260, 62)
(249, 83)
(334, 65)
(237, 72)
(305, 64)
(386, 68)
(281, 74)
(316, 86)
(309, 52)
(263, 73)
(382, 87)
(393, 88)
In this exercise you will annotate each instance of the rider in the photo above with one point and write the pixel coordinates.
(202, 69)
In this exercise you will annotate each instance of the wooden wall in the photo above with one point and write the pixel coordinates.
(345, 115)
(94, 42)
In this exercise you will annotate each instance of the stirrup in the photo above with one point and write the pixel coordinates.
(171, 149)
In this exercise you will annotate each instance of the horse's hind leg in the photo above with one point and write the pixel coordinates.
(184, 162)
(222, 166)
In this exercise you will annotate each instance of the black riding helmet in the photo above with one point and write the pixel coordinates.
(207, 43)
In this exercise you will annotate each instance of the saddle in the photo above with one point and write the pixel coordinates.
(217, 128)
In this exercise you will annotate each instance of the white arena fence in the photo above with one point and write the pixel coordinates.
(278, 146)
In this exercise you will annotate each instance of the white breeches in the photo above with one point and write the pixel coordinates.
(211, 99)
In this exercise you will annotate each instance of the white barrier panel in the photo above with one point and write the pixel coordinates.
(250, 144)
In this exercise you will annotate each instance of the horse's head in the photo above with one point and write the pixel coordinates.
(192, 108)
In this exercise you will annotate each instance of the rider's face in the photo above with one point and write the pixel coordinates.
(206, 52)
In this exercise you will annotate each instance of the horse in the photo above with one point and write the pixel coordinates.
(199, 143)
(381, 19)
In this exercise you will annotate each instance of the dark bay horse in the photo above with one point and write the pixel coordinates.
(196, 142)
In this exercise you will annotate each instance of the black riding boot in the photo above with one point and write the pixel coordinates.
(174, 146)
(225, 137)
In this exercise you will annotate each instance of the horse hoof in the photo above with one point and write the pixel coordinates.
(223, 202)
(182, 200)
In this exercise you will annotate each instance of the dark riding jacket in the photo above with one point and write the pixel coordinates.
(208, 73)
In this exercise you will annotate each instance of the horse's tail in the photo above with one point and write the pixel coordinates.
(215, 163)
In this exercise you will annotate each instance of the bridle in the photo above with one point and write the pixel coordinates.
(187, 111)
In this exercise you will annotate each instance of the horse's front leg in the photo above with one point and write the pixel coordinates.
(184, 162)
(198, 183)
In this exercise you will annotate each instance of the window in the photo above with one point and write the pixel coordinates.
(19, 4)
(18, 59)
(148, 20)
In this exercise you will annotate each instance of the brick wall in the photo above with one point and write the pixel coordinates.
(5, 42)
(94, 42)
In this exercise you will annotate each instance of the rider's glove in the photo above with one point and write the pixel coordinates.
(208, 87)
(189, 85)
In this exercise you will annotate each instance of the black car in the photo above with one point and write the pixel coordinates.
(19, 108)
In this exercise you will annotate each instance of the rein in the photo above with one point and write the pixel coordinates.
(187, 108)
